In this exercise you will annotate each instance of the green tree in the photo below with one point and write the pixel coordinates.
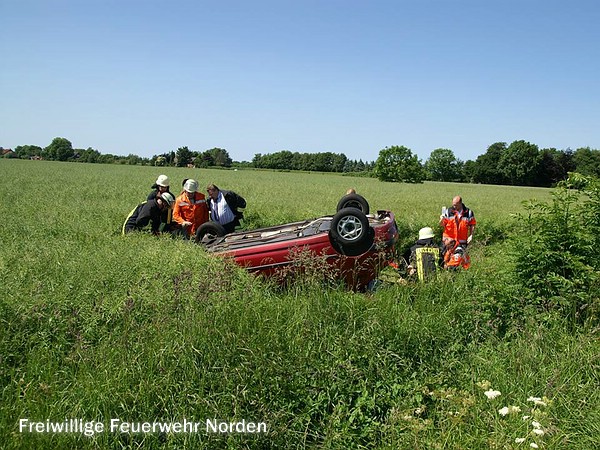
(520, 163)
(133, 160)
(469, 170)
(566, 161)
(442, 165)
(183, 157)
(323, 162)
(339, 162)
(220, 157)
(28, 151)
(60, 149)
(107, 159)
(257, 161)
(89, 155)
(204, 160)
(397, 163)
(554, 166)
(587, 161)
(280, 160)
(485, 170)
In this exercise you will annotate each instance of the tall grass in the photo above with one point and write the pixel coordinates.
(97, 326)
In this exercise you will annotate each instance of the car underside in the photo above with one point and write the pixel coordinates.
(353, 245)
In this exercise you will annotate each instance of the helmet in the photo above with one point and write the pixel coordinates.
(425, 233)
(167, 198)
(190, 186)
(163, 181)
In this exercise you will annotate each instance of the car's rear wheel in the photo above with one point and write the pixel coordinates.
(354, 201)
(209, 232)
(350, 233)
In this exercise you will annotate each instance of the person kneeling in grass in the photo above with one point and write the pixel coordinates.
(148, 212)
(425, 256)
(190, 209)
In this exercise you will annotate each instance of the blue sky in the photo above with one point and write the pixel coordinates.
(352, 77)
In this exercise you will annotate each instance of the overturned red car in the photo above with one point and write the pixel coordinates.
(352, 244)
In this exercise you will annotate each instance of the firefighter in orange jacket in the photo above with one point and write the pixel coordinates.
(458, 223)
(190, 209)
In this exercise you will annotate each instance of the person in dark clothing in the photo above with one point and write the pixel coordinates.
(424, 255)
(148, 212)
(162, 184)
(225, 207)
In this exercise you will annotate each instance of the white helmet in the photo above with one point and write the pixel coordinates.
(163, 181)
(191, 186)
(425, 233)
(167, 198)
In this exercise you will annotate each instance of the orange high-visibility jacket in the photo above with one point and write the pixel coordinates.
(195, 211)
(453, 258)
(457, 226)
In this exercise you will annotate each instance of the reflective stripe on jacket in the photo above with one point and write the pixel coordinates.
(194, 211)
(427, 259)
(456, 226)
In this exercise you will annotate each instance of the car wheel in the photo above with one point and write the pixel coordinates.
(208, 232)
(350, 233)
(353, 201)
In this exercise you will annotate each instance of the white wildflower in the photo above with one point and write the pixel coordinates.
(509, 410)
(535, 424)
(539, 431)
(526, 417)
(537, 401)
(491, 394)
(519, 440)
(533, 445)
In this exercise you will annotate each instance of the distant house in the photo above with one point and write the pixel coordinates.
(7, 153)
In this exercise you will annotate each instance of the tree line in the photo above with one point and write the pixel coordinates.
(312, 162)
(520, 163)
(61, 149)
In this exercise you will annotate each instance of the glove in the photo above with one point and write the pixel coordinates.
(469, 239)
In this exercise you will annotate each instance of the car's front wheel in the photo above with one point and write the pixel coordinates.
(209, 232)
(350, 233)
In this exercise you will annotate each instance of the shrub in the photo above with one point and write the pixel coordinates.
(556, 250)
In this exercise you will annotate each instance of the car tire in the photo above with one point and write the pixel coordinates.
(353, 201)
(208, 232)
(350, 233)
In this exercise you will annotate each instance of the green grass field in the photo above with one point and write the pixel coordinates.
(99, 327)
